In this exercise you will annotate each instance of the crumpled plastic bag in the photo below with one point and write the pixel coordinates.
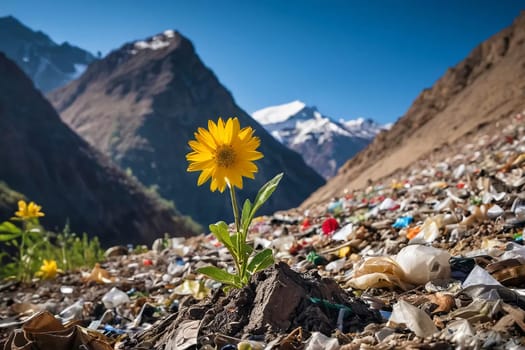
(429, 231)
(461, 333)
(44, 331)
(99, 275)
(319, 341)
(413, 265)
(413, 318)
(379, 272)
(191, 287)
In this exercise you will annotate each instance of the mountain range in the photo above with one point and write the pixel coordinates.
(487, 86)
(324, 143)
(46, 162)
(141, 104)
(48, 64)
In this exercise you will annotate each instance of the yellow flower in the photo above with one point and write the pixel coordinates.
(28, 211)
(48, 269)
(224, 153)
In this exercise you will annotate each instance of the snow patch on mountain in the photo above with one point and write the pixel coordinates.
(294, 123)
(277, 114)
(156, 42)
(324, 142)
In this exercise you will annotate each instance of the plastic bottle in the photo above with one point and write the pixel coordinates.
(422, 264)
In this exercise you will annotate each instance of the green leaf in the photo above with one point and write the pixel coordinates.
(262, 260)
(219, 275)
(245, 216)
(248, 249)
(9, 236)
(220, 231)
(7, 227)
(264, 193)
(238, 244)
(9, 231)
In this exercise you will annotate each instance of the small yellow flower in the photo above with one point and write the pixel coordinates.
(48, 269)
(28, 211)
(224, 153)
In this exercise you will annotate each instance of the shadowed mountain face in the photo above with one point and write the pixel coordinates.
(47, 63)
(488, 85)
(43, 159)
(141, 105)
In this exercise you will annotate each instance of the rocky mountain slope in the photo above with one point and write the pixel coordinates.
(48, 64)
(488, 85)
(43, 159)
(324, 143)
(142, 103)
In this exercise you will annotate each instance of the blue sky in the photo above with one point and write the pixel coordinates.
(368, 58)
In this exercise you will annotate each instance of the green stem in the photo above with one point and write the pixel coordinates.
(22, 267)
(235, 207)
(240, 264)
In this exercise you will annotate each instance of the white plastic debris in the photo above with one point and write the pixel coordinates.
(413, 318)
(73, 311)
(283, 244)
(459, 171)
(422, 264)
(494, 211)
(388, 203)
(319, 341)
(343, 233)
(429, 230)
(66, 289)
(176, 270)
(114, 298)
(479, 276)
(513, 250)
(336, 265)
(461, 333)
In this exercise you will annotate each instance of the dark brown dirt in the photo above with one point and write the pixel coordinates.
(276, 301)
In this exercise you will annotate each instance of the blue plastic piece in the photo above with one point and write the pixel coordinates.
(403, 222)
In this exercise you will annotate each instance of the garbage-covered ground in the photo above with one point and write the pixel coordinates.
(430, 258)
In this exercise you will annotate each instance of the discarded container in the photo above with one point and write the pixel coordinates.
(421, 264)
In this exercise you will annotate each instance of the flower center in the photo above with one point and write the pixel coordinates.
(225, 156)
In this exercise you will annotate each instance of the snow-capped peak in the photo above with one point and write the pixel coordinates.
(366, 128)
(278, 114)
(325, 143)
(156, 42)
